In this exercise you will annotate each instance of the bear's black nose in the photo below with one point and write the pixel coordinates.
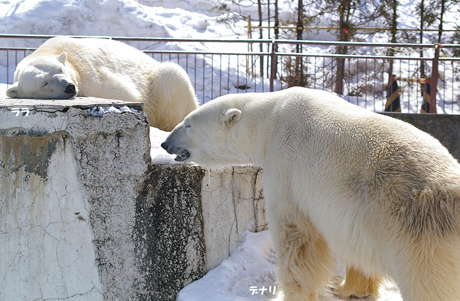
(70, 89)
(164, 145)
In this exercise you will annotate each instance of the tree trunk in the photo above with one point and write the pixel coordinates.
(344, 24)
(277, 31)
(422, 63)
(299, 61)
(277, 21)
(259, 6)
(441, 18)
(391, 52)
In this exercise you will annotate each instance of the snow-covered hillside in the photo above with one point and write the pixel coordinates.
(199, 20)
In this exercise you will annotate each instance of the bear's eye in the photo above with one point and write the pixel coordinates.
(44, 84)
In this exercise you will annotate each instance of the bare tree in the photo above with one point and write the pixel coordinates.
(261, 35)
(394, 25)
(277, 32)
(422, 13)
(348, 15)
(344, 10)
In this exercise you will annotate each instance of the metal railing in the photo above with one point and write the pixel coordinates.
(360, 76)
(365, 76)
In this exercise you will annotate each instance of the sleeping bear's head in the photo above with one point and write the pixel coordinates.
(208, 136)
(45, 77)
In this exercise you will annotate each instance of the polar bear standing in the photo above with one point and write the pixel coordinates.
(380, 193)
(66, 67)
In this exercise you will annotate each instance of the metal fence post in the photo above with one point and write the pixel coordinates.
(434, 79)
(273, 59)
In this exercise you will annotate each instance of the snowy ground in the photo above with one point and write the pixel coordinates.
(251, 267)
(249, 275)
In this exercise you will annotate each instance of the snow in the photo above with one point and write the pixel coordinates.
(250, 270)
(158, 154)
(253, 263)
(99, 111)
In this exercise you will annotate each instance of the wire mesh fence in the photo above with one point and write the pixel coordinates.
(361, 76)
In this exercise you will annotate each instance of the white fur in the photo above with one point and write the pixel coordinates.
(107, 69)
(338, 178)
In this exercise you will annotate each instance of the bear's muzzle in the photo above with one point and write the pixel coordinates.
(182, 153)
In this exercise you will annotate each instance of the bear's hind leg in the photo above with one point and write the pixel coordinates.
(358, 285)
(305, 262)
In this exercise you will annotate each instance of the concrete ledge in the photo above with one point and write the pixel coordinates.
(64, 104)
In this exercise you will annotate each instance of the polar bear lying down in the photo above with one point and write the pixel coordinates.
(339, 179)
(67, 67)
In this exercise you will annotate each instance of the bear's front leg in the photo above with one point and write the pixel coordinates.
(304, 260)
(358, 285)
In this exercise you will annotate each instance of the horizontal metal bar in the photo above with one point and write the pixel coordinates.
(29, 36)
(17, 48)
(141, 39)
(204, 52)
(449, 46)
(341, 43)
(266, 41)
(294, 54)
(355, 29)
(449, 59)
(180, 52)
(252, 41)
(351, 56)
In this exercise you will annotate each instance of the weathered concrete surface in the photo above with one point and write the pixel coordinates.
(46, 241)
(69, 184)
(112, 152)
(232, 203)
(84, 215)
(169, 230)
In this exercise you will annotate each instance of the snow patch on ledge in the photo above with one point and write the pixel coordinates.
(99, 111)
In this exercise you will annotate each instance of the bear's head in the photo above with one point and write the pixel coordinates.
(208, 136)
(45, 77)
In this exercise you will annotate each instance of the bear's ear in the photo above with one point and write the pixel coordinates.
(13, 91)
(62, 57)
(232, 116)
